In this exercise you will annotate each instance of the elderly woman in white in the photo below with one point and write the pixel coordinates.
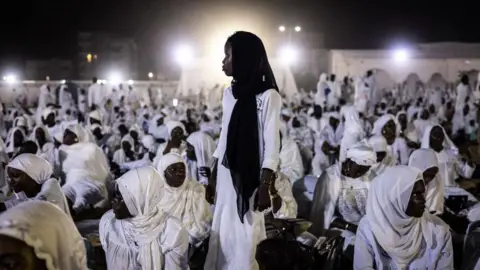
(388, 127)
(200, 148)
(291, 164)
(176, 140)
(32, 175)
(126, 153)
(183, 198)
(397, 232)
(138, 234)
(38, 235)
(341, 193)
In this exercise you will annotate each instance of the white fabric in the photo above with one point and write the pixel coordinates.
(362, 154)
(354, 131)
(86, 171)
(151, 239)
(424, 159)
(171, 125)
(186, 203)
(398, 150)
(291, 163)
(41, 172)
(204, 147)
(119, 156)
(80, 132)
(399, 235)
(52, 234)
(148, 141)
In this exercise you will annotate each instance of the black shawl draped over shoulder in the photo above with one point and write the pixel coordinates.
(252, 75)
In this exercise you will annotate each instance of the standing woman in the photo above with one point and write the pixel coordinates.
(248, 151)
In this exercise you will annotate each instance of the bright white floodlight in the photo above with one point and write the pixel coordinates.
(114, 78)
(298, 28)
(183, 55)
(11, 79)
(150, 75)
(130, 82)
(281, 28)
(63, 81)
(400, 55)
(175, 102)
(288, 55)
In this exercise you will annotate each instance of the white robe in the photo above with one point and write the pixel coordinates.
(233, 243)
(291, 160)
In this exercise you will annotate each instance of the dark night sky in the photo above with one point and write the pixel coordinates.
(44, 29)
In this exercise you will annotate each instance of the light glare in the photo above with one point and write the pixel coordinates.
(130, 82)
(400, 55)
(289, 55)
(281, 28)
(183, 55)
(150, 75)
(10, 79)
(298, 28)
(175, 102)
(114, 78)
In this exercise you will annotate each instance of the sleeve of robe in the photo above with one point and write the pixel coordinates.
(364, 257)
(271, 129)
(104, 228)
(289, 205)
(463, 169)
(174, 244)
(320, 205)
(198, 220)
(293, 167)
(445, 260)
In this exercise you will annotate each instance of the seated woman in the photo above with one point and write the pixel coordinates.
(158, 129)
(176, 141)
(75, 134)
(32, 175)
(38, 235)
(341, 193)
(379, 145)
(450, 164)
(200, 148)
(327, 145)
(426, 161)
(387, 127)
(14, 141)
(183, 198)
(46, 148)
(126, 153)
(86, 172)
(138, 233)
(397, 232)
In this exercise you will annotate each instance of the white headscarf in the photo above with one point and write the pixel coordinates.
(362, 154)
(80, 131)
(52, 234)
(204, 147)
(10, 147)
(378, 143)
(159, 132)
(354, 131)
(424, 159)
(186, 202)
(447, 142)
(142, 191)
(399, 235)
(42, 173)
(148, 141)
(33, 136)
(86, 171)
(46, 112)
(380, 123)
(171, 125)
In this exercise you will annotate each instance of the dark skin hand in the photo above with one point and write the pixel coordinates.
(342, 224)
(177, 137)
(210, 189)
(276, 200)
(262, 200)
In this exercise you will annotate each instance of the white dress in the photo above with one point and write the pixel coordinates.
(233, 243)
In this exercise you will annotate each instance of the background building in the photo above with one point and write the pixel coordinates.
(105, 55)
(55, 69)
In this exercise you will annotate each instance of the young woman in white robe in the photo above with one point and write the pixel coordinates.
(137, 234)
(426, 161)
(341, 193)
(450, 164)
(397, 232)
(291, 164)
(38, 235)
(126, 152)
(199, 152)
(388, 127)
(15, 139)
(327, 145)
(46, 148)
(184, 198)
(32, 175)
(248, 151)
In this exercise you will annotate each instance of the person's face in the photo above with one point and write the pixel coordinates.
(334, 122)
(119, 207)
(123, 130)
(17, 139)
(425, 115)
(227, 61)
(94, 121)
(429, 174)
(431, 109)
(416, 205)
(402, 118)
(191, 152)
(69, 138)
(285, 118)
(126, 147)
(50, 120)
(177, 133)
(436, 139)
(175, 174)
(121, 114)
(296, 123)
(116, 109)
(16, 255)
(134, 135)
(466, 110)
(381, 156)
(383, 106)
(160, 122)
(389, 131)
(97, 133)
(353, 169)
(20, 181)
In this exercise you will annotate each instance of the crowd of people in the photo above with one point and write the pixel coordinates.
(345, 176)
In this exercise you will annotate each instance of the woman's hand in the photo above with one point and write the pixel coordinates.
(263, 201)
(210, 189)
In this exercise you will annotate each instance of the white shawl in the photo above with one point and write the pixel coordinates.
(204, 147)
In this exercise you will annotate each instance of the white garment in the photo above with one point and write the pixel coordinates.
(291, 164)
(398, 150)
(400, 236)
(50, 233)
(159, 132)
(424, 159)
(379, 144)
(354, 131)
(96, 95)
(289, 205)
(151, 239)
(450, 165)
(321, 86)
(86, 171)
(233, 243)
(204, 147)
(119, 156)
(187, 202)
(463, 92)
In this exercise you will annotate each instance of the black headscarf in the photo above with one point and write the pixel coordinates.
(252, 75)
